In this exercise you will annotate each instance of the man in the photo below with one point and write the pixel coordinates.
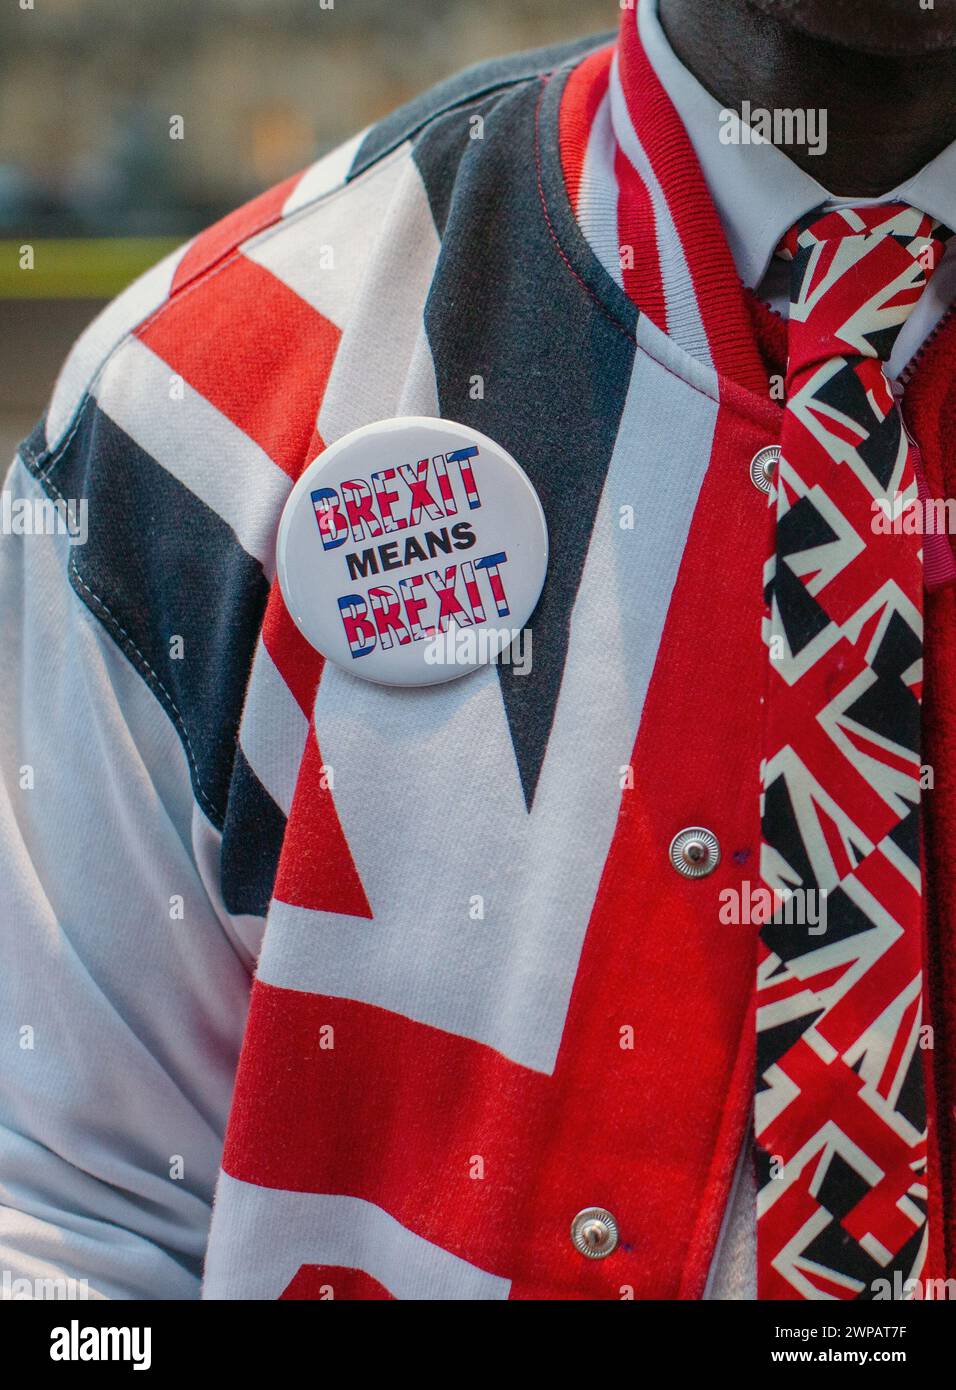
(509, 931)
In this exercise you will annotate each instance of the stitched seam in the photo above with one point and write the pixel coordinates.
(55, 451)
(621, 328)
(139, 660)
(380, 163)
(478, 94)
(34, 461)
(616, 323)
(42, 465)
(714, 396)
(331, 195)
(46, 483)
(137, 657)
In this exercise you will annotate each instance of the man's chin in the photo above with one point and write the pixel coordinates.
(887, 28)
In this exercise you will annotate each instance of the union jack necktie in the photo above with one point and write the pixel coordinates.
(840, 1107)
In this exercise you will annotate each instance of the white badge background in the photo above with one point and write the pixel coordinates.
(509, 519)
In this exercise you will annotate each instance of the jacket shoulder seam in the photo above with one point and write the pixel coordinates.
(454, 103)
(124, 640)
(44, 462)
(49, 457)
(137, 659)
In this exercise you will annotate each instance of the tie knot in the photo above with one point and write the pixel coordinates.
(857, 273)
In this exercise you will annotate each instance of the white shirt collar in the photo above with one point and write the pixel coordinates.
(758, 191)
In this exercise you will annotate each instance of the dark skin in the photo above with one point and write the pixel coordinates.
(884, 71)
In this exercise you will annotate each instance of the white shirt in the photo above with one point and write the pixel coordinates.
(759, 193)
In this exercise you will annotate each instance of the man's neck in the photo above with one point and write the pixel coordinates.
(886, 116)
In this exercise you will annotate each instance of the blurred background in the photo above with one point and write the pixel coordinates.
(90, 178)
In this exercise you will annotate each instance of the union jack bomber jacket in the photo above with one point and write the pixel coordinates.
(326, 987)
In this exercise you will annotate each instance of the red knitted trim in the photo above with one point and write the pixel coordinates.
(637, 237)
(582, 95)
(663, 137)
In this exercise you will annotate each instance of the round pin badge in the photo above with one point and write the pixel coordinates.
(412, 551)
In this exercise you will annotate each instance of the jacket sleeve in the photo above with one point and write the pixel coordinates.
(123, 980)
(144, 784)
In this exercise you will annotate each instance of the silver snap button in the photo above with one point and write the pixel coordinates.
(594, 1233)
(695, 851)
(763, 465)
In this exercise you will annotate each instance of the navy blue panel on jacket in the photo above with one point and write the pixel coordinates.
(251, 842)
(469, 85)
(554, 369)
(159, 564)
